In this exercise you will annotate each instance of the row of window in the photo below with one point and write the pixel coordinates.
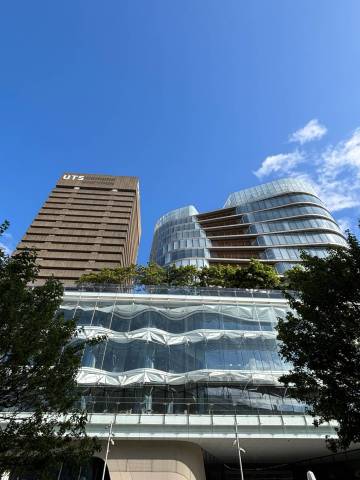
(164, 231)
(189, 243)
(177, 221)
(267, 190)
(182, 234)
(195, 262)
(223, 354)
(195, 399)
(301, 238)
(176, 215)
(192, 252)
(285, 212)
(177, 308)
(278, 201)
(293, 225)
(118, 322)
(292, 253)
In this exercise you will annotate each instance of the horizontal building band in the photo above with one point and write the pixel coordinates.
(63, 232)
(84, 264)
(102, 237)
(95, 212)
(191, 398)
(161, 337)
(92, 376)
(119, 220)
(70, 256)
(168, 316)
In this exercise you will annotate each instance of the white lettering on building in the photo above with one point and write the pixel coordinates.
(73, 177)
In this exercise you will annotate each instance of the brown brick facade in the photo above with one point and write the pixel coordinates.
(88, 222)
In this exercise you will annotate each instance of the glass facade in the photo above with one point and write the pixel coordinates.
(176, 353)
(285, 213)
(268, 190)
(179, 239)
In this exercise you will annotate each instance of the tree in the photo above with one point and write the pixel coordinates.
(39, 360)
(321, 338)
(255, 275)
(152, 274)
(217, 275)
(119, 275)
(183, 276)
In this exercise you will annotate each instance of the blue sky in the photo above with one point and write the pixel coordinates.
(199, 98)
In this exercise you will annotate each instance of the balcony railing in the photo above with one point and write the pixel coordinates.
(167, 290)
(195, 407)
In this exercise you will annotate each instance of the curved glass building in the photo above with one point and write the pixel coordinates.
(189, 370)
(272, 222)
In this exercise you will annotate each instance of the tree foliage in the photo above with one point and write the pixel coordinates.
(151, 274)
(256, 275)
(118, 275)
(253, 275)
(321, 338)
(184, 276)
(39, 360)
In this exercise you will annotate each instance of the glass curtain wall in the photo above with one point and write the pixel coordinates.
(181, 355)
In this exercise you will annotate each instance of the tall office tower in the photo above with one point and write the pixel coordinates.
(271, 222)
(87, 223)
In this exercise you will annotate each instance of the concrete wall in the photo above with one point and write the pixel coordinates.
(155, 460)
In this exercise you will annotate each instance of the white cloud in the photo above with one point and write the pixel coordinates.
(6, 243)
(334, 172)
(344, 223)
(313, 130)
(338, 174)
(282, 163)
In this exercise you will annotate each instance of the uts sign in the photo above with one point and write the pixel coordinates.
(73, 177)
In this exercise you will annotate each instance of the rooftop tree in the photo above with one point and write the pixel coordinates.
(119, 275)
(255, 275)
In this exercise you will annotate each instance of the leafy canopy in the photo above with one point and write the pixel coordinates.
(253, 275)
(321, 338)
(39, 360)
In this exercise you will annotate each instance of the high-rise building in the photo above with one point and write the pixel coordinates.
(87, 223)
(271, 222)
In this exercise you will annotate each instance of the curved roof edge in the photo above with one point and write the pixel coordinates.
(182, 212)
(270, 189)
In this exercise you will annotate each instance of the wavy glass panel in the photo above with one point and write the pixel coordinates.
(256, 354)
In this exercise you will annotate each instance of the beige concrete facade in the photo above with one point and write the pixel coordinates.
(155, 460)
(87, 223)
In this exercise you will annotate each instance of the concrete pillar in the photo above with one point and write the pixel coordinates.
(155, 460)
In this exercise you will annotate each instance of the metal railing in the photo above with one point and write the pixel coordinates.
(128, 407)
(167, 290)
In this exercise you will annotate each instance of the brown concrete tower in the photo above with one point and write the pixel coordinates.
(88, 222)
